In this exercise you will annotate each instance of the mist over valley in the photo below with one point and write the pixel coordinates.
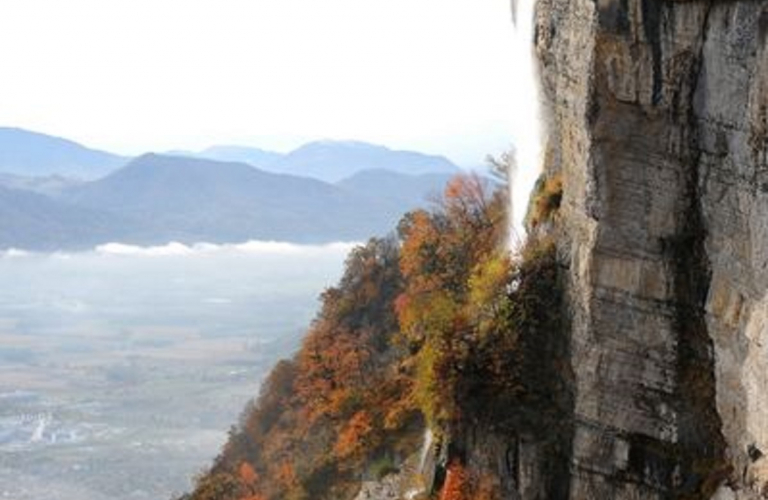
(145, 298)
(121, 368)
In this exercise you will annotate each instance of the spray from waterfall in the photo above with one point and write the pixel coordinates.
(527, 125)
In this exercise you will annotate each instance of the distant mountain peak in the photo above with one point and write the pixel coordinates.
(35, 154)
(329, 160)
(24, 152)
(352, 143)
(149, 156)
(334, 160)
(256, 157)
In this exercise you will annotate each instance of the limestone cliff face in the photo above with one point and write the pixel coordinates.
(655, 384)
(657, 113)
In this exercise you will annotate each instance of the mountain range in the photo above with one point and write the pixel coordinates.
(34, 154)
(330, 161)
(256, 157)
(346, 191)
(333, 161)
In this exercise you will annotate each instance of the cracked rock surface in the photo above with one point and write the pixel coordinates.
(657, 113)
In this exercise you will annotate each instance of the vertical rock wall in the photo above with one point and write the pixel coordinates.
(657, 114)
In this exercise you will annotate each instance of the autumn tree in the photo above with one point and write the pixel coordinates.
(453, 263)
(339, 401)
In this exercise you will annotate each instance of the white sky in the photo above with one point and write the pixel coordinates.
(136, 75)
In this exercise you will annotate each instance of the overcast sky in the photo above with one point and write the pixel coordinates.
(138, 75)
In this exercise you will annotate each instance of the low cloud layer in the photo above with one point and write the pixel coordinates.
(176, 249)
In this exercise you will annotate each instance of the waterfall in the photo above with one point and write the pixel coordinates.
(426, 449)
(424, 468)
(527, 126)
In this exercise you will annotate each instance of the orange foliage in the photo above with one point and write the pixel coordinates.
(403, 311)
(286, 475)
(248, 475)
(333, 362)
(322, 415)
(455, 486)
(353, 439)
(450, 264)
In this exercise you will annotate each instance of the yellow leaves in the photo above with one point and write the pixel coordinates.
(427, 386)
(489, 280)
(545, 201)
(455, 274)
(487, 289)
(425, 314)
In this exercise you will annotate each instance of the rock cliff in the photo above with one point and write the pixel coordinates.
(657, 115)
(622, 356)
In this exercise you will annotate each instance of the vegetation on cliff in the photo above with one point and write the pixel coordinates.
(426, 327)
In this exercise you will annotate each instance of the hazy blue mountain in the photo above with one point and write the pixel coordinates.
(35, 222)
(329, 161)
(160, 198)
(333, 161)
(191, 199)
(401, 190)
(243, 154)
(256, 157)
(51, 185)
(33, 154)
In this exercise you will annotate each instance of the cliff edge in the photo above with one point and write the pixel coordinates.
(657, 115)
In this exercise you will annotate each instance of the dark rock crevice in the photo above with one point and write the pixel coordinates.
(652, 19)
(703, 462)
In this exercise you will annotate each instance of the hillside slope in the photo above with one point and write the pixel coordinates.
(32, 221)
(403, 190)
(34, 154)
(156, 199)
(424, 332)
(188, 199)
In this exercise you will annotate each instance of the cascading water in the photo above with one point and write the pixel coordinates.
(527, 128)
(426, 449)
